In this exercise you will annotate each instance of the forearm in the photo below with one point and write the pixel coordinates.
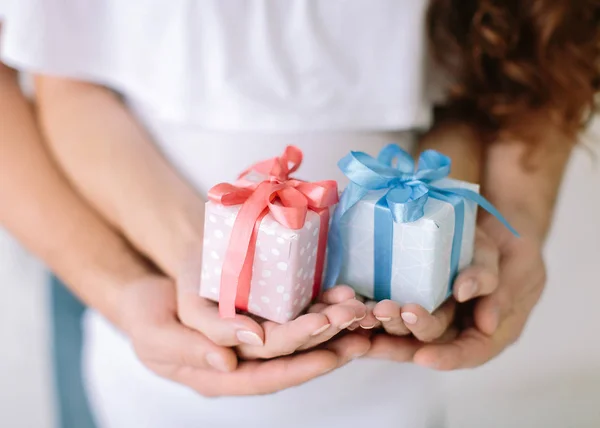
(47, 216)
(113, 163)
(520, 180)
(523, 183)
(461, 143)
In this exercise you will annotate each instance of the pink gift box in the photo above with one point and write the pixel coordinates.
(265, 240)
(284, 263)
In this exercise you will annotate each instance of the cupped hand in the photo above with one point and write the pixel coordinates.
(177, 352)
(479, 279)
(505, 282)
(254, 339)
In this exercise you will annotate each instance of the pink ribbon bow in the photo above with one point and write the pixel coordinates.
(288, 200)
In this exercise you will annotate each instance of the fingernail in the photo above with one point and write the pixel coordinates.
(346, 325)
(368, 327)
(217, 362)
(384, 319)
(467, 291)
(321, 330)
(249, 338)
(361, 318)
(409, 318)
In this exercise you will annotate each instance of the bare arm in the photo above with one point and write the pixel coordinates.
(113, 163)
(525, 184)
(39, 207)
(508, 273)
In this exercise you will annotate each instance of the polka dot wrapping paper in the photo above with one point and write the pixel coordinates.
(265, 239)
(284, 262)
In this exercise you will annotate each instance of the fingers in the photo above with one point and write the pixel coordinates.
(284, 339)
(265, 377)
(337, 294)
(400, 349)
(307, 331)
(481, 278)
(425, 326)
(349, 347)
(472, 348)
(174, 344)
(202, 315)
(341, 316)
(388, 313)
(369, 321)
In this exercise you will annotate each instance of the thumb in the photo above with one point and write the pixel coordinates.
(202, 315)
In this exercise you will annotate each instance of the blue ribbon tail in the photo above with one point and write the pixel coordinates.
(482, 202)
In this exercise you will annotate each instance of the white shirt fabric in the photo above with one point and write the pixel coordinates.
(220, 84)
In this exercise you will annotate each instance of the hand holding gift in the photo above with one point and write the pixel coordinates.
(264, 250)
(402, 233)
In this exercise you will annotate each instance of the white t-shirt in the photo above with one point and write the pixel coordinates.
(220, 84)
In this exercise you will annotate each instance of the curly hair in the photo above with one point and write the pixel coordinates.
(511, 59)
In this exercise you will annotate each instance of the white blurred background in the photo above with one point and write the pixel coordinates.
(550, 379)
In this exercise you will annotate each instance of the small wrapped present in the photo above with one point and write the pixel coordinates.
(265, 238)
(400, 233)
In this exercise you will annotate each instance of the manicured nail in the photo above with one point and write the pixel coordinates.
(216, 362)
(409, 318)
(368, 327)
(346, 324)
(467, 291)
(321, 330)
(384, 319)
(249, 338)
(361, 318)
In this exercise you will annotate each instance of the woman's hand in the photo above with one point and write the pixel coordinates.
(480, 331)
(498, 318)
(262, 339)
(174, 351)
(522, 180)
(508, 279)
(479, 279)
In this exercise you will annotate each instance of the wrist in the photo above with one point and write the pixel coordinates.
(166, 234)
(100, 275)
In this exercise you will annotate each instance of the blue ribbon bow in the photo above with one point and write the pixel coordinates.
(407, 193)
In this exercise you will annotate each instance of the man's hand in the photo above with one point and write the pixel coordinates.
(174, 351)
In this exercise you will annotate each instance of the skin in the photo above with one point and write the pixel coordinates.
(168, 230)
(98, 264)
(506, 278)
(508, 274)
